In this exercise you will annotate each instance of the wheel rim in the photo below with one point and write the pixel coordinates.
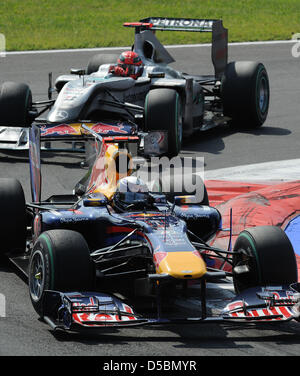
(263, 95)
(245, 253)
(37, 276)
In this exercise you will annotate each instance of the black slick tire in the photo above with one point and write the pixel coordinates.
(100, 59)
(60, 261)
(15, 103)
(13, 216)
(269, 255)
(163, 112)
(169, 186)
(245, 94)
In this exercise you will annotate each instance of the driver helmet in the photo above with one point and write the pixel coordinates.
(131, 63)
(131, 194)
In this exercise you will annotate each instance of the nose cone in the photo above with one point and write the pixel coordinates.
(182, 265)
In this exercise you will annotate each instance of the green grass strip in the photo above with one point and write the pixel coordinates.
(53, 24)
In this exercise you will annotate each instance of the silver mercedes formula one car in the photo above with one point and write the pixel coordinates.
(162, 104)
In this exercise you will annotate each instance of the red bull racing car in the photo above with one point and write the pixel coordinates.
(158, 102)
(116, 233)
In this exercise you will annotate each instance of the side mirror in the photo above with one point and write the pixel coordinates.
(156, 75)
(79, 72)
(185, 200)
(95, 199)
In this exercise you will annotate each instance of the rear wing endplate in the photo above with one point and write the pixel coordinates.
(35, 163)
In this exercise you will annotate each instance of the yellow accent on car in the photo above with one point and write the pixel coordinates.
(182, 265)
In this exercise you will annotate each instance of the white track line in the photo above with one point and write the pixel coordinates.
(99, 49)
(288, 170)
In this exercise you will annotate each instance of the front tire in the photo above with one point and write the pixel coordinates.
(163, 112)
(169, 184)
(245, 94)
(269, 255)
(15, 103)
(13, 216)
(60, 260)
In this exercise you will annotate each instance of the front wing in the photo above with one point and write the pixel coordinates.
(74, 310)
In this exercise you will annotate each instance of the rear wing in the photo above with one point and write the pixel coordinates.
(219, 52)
(180, 24)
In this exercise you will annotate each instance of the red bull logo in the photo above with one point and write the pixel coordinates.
(158, 257)
(58, 130)
(76, 130)
(110, 129)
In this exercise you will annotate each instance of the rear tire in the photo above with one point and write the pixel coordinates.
(100, 59)
(269, 255)
(60, 261)
(245, 94)
(169, 187)
(13, 216)
(15, 103)
(163, 112)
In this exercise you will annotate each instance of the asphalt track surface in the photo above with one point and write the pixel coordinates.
(21, 333)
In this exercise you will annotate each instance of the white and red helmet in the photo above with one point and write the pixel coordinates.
(131, 63)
